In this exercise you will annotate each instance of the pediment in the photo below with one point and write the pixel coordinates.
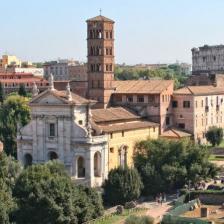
(48, 97)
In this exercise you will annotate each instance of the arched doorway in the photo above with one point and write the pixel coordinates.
(81, 167)
(28, 159)
(123, 151)
(97, 164)
(52, 155)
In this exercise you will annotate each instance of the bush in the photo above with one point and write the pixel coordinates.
(139, 220)
(214, 135)
(122, 185)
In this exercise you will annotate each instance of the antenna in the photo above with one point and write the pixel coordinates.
(100, 12)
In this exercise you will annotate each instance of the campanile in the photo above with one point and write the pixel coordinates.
(100, 45)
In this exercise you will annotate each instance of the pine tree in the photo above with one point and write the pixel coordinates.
(1, 93)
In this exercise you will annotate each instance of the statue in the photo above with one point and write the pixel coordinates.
(68, 92)
(51, 82)
(35, 90)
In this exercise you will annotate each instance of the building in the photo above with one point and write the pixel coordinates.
(89, 142)
(100, 47)
(149, 98)
(59, 69)
(11, 82)
(123, 129)
(196, 108)
(10, 61)
(78, 72)
(39, 72)
(208, 59)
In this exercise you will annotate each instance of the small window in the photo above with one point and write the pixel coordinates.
(167, 121)
(122, 133)
(186, 104)
(111, 150)
(174, 104)
(111, 135)
(52, 130)
(154, 129)
(80, 122)
(129, 99)
(141, 99)
(181, 125)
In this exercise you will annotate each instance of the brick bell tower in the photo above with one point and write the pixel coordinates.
(100, 45)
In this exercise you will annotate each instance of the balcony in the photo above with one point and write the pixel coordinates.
(206, 109)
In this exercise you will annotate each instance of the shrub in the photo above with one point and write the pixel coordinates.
(122, 185)
(139, 220)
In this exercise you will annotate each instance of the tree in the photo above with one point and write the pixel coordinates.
(122, 185)
(214, 135)
(22, 90)
(45, 194)
(9, 172)
(14, 111)
(2, 96)
(166, 165)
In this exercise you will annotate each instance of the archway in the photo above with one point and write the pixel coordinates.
(52, 155)
(28, 159)
(97, 164)
(81, 167)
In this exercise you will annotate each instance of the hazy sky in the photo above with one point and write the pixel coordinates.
(147, 31)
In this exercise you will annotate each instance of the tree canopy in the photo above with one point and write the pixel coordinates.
(122, 185)
(22, 90)
(171, 72)
(45, 194)
(13, 111)
(214, 135)
(167, 165)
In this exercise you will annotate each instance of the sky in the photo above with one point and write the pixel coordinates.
(146, 31)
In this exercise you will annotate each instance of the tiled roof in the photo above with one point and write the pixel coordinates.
(127, 126)
(141, 86)
(199, 90)
(175, 133)
(99, 19)
(112, 114)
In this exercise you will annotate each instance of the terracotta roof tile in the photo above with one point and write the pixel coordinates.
(100, 18)
(112, 114)
(141, 86)
(127, 126)
(199, 90)
(175, 133)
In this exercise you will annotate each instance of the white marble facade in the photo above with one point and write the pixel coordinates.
(60, 129)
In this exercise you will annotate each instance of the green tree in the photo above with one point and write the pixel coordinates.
(22, 90)
(214, 135)
(45, 194)
(122, 185)
(14, 111)
(2, 96)
(167, 165)
(9, 172)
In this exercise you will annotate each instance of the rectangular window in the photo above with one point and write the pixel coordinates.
(129, 99)
(196, 104)
(122, 133)
(52, 130)
(140, 99)
(167, 121)
(186, 104)
(174, 104)
(111, 150)
(111, 135)
(181, 125)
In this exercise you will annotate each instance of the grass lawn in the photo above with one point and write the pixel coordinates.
(119, 219)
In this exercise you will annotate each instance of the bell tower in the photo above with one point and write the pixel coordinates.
(100, 45)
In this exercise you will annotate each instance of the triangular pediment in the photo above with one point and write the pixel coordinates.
(48, 97)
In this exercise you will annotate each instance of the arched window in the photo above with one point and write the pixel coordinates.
(97, 164)
(81, 167)
(28, 159)
(123, 155)
(52, 155)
